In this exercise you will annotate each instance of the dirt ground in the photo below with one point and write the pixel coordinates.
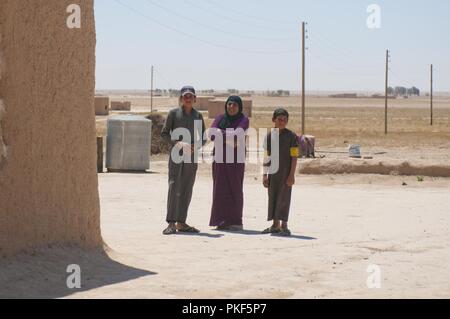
(341, 225)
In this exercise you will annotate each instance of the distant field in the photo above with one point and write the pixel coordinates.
(336, 123)
(142, 102)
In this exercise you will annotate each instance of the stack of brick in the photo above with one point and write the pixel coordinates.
(203, 102)
(248, 107)
(120, 106)
(159, 146)
(101, 105)
(217, 106)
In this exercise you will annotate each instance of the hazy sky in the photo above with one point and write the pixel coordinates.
(255, 44)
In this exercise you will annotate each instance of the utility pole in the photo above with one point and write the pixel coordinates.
(386, 94)
(431, 96)
(151, 93)
(303, 76)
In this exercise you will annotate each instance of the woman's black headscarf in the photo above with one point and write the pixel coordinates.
(228, 120)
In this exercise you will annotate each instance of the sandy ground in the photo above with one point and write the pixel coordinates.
(341, 225)
(338, 231)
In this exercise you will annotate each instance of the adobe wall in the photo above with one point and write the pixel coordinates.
(48, 179)
(101, 105)
(217, 106)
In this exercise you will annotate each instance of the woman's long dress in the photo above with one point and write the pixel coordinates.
(228, 176)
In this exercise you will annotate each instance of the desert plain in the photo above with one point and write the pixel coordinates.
(343, 224)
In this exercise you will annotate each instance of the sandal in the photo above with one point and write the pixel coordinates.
(170, 231)
(271, 230)
(285, 232)
(189, 229)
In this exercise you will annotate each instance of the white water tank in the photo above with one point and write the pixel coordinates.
(128, 143)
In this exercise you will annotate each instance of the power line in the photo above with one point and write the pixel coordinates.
(394, 75)
(346, 57)
(213, 27)
(304, 31)
(347, 61)
(431, 96)
(158, 73)
(217, 4)
(265, 27)
(388, 55)
(199, 39)
(324, 61)
(340, 69)
(333, 45)
(151, 90)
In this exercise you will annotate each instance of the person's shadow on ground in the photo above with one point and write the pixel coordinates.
(240, 232)
(247, 232)
(295, 237)
(201, 234)
(46, 274)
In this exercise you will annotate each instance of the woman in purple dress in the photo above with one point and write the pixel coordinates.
(228, 133)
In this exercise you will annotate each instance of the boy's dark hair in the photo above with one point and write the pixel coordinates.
(279, 112)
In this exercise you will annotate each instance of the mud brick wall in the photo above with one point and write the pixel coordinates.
(120, 106)
(203, 102)
(217, 106)
(48, 179)
(102, 105)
